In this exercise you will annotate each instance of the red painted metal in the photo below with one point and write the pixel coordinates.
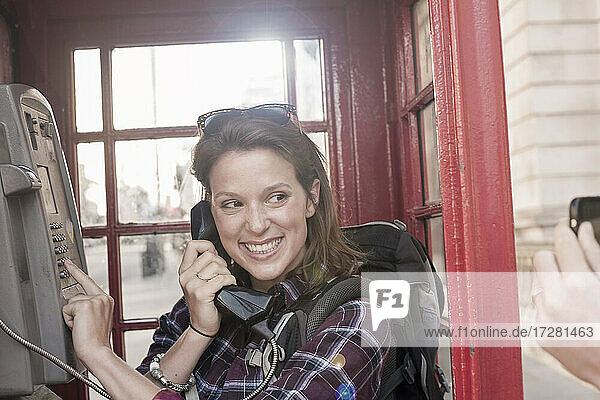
(431, 210)
(419, 101)
(129, 134)
(476, 189)
(341, 147)
(371, 145)
(290, 70)
(137, 324)
(7, 46)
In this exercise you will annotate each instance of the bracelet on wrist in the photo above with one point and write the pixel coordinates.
(156, 373)
(203, 334)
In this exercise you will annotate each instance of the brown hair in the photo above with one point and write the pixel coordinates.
(325, 243)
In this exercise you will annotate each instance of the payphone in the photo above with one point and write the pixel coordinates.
(39, 230)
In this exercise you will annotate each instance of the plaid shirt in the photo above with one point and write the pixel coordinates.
(223, 373)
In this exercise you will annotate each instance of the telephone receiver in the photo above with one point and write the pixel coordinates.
(247, 305)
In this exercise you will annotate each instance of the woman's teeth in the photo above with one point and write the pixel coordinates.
(262, 248)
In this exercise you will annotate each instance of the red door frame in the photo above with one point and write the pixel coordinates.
(475, 182)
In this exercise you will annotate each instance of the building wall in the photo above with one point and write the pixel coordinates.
(552, 69)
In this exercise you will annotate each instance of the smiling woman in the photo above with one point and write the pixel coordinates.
(261, 218)
(288, 157)
(275, 215)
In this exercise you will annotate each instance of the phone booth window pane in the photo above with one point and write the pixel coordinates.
(136, 346)
(422, 47)
(149, 278)
(172, 85)
(435, 239)
(96, 257)
(321, 140)
(153, 180)
(92, 185)
(428, 130)
(309, 79)
(88, 90)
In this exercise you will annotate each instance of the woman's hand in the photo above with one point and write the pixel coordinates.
(89, 316)
(203, 273)
(569, 281)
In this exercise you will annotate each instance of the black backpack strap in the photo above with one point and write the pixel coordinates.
(310, 311)
(406, 372)
(442, 379)
(302, 322)
(333, 296)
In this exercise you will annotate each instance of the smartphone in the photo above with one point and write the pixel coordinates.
(585, 209)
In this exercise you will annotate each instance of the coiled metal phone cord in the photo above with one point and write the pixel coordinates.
(54, 359)
(97, 388)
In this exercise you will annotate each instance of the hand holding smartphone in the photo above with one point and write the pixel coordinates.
(585, 209)
(569, 279)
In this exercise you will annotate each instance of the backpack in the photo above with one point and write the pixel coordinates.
(408, 372)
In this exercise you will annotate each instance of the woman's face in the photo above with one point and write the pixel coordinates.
(260, 210)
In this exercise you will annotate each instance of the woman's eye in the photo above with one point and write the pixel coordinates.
(278, 198)
(231, 204)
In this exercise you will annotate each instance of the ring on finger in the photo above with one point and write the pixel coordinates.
(204, 279)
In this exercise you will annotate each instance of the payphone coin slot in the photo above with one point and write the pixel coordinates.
(44, 131)
(32, 133)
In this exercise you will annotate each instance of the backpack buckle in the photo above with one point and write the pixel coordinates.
(254, 357)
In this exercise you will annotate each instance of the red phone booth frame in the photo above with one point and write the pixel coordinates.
(474, 175)
(476, 183)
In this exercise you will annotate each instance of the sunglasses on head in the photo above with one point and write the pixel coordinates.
(213, 121)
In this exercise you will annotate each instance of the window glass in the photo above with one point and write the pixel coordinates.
(320, 139)
(309, 79)
(172, 85)
(149, 277)
(422, 48)
(428, 130)
(153, 180)
(435, 231)
(435, 237)
(96, 257)
(136, 346)
(88, 90)
(92, 185)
